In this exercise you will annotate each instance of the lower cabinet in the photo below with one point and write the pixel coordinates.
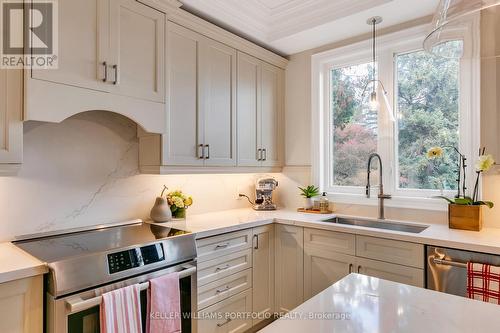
(324, 268)
(263, 273)
(21, 305)
(289, 287)
(225, 316)
(392, 272)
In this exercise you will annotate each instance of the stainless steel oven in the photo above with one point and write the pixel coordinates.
(79, 313)
(84, 264)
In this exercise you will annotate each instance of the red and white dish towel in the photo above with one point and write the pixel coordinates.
(483, 282)
(164, 305)
(121, 311)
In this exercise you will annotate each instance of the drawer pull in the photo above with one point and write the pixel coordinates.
(226, 288)
(221, 246)
(222, 268)
(350, 268)
(224, 323)
(359, 268)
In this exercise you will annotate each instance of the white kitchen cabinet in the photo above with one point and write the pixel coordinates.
(289, 277)
(217, 91)
(217, 318)
(137, 48)
(21, 305)
(392, 272)
(201, 108)
(263, 272)
(11, 126)
(260, 96)
(110, 57)
(323, 268)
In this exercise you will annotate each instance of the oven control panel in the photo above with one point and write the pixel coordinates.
(140, 256)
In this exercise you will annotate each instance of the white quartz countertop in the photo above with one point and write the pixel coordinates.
(359, 304)
(210, 224)
(16, 264)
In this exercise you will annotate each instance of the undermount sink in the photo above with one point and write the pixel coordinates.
(379, 224)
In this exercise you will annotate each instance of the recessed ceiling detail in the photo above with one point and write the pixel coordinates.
(278, 23)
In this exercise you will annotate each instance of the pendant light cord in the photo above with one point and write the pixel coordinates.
(374, 21)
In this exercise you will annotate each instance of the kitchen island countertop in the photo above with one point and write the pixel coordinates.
(358, 304)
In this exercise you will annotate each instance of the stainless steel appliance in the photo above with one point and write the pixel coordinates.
(84, 264)
(447, 268)
(264, 194)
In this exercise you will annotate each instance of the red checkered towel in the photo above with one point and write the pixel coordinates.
(483, 282)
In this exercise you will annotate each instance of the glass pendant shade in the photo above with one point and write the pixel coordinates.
(448, 27)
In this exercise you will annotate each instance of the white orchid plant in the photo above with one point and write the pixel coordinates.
(483, 164)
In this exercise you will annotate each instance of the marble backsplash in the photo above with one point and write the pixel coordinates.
(84, 171)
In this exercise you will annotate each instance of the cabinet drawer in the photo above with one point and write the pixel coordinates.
(217, 318)
(397, 252)
(209, 271)
(221, 289)
(217, 246)
(330, 240)
(391, 272)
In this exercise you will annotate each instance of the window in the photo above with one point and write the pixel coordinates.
(354, 126)
(435, 103)
(427, 108)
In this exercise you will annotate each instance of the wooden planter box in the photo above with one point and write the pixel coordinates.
(465, 217)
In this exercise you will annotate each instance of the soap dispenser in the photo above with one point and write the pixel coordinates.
(324, 204)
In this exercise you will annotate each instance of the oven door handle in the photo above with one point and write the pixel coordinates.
(78, 304)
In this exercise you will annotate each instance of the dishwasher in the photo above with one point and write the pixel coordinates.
(447, 268)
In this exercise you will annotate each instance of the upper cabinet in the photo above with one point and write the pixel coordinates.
(201, 106)
(260, 102)
(110, 57)
(11, 126)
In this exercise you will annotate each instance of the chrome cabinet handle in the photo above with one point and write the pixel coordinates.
(115, 67)
(359, 268)
(256, 237)
(350, 268)
(259, 154)
(222, 268)
(265, 154)
(208, 152)
(226, 288)
(221, 246)
(224, 323)
(105, 64)
(202, 155)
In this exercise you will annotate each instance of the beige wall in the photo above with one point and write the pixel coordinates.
(298, 123)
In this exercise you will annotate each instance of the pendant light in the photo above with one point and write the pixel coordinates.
(374, 97)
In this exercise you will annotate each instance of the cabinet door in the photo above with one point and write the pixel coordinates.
(182, 138)
(217, 88)
(137, 47)
(263, 272)
(391, 272)
(83, 43)
(11, 111)
(322, 268)
(270, 115)
(248, 102)
(289, 276)
(21, 305)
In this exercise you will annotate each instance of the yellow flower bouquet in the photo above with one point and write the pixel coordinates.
(178, 203)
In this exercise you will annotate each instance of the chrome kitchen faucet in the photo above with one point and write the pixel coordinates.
(381, 195)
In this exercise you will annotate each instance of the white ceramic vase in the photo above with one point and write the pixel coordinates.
(308, 203)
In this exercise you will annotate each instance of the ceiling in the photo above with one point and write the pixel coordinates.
(291, 26)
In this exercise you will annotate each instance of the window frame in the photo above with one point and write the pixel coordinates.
(389, 46)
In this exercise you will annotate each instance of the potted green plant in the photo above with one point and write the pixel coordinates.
(308, 193)
(465, 211)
